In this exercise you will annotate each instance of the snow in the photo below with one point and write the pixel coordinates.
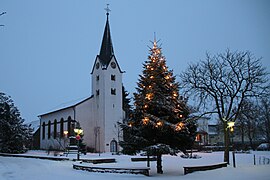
(18, 168)
(34, 125)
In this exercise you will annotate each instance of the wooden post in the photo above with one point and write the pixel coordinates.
(148, 160)
(254, 159)
(233, 153)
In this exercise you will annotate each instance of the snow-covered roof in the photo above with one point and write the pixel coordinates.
(66, 105)
(34, 125)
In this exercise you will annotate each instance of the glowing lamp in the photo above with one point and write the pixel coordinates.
(78, 131)
(65, 133)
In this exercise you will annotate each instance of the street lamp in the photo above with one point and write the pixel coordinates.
(78, 138)
(231, 129)
(65, 138)
(231, 125)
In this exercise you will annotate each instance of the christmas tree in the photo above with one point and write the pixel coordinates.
(159, 124)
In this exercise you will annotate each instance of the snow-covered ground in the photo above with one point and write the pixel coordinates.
(17, 168)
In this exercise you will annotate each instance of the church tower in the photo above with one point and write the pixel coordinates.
(107, 95)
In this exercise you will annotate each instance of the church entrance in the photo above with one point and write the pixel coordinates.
(113, 146)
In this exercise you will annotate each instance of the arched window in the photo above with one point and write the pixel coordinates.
(113, 146)
(69, 126)
(62, 127)
(49, 129)
(43, 130)
(55, 129)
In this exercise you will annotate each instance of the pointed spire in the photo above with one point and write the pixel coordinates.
(106, 50)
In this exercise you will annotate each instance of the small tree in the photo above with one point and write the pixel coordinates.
(220, 83)
(14, 135)
(159, 124)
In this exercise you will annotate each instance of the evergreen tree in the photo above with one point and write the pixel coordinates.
(126, 104)
(14, 135)
(128, 112)
(159, 124)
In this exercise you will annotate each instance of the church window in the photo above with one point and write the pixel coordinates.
(113, 77)
(43, 130)
(69, 125)
(97, 92)
(97, 77)
(62, 127)
(97, 65)
(113, 91)
(54, 129)
(49, 129)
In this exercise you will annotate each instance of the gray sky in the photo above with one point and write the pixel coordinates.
(47, 48)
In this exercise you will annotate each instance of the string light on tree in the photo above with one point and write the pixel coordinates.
(130, 124)
(145, 120)
(159, 124)
(180, 126)
(149, 96)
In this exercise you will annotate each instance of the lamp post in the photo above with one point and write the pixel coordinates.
(231, 129)
(78, 138)
(65, 138)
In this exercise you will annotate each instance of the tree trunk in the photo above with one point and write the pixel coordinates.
(159, 164)
(242, 136)
(226, 142)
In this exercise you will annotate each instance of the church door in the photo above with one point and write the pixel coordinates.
(113, 146)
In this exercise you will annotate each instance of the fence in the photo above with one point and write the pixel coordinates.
(261, 160)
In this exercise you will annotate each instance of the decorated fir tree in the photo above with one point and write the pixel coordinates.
(159, 124)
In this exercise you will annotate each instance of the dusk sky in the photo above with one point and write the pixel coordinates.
(47, 48)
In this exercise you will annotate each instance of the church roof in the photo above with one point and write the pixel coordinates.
(67, 105)
(106, 50)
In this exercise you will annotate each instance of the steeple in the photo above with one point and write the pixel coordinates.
(106, 50)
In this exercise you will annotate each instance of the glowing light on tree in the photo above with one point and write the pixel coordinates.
(145, 120)
(180, 126)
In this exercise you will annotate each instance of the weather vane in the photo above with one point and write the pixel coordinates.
(107, 9)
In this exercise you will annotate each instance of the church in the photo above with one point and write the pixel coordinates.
(98, 115)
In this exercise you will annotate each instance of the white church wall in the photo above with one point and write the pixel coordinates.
(85, 117)
(52, 142)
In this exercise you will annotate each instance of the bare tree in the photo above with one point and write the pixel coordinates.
(264, 125)
(221, 82)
